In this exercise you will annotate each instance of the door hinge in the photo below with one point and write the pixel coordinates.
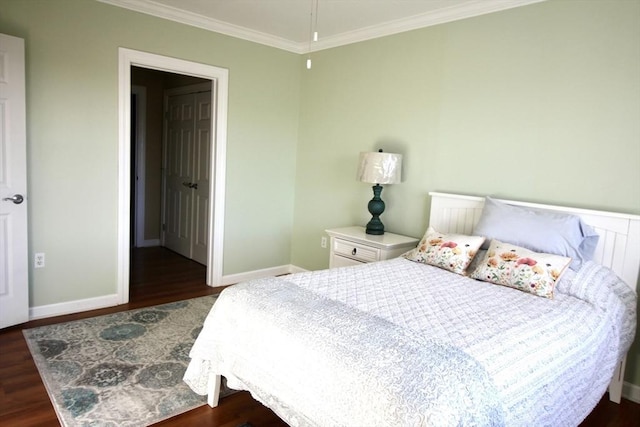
(164, 227)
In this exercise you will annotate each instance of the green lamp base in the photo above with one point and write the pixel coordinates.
(376, 207)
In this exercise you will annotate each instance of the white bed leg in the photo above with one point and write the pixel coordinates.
(213, 394)
(615, 388)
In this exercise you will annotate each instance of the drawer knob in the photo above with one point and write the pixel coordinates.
(353, 252)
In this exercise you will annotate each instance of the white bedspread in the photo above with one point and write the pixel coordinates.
(548, 362)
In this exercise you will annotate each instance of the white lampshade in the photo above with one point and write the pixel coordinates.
(380, 168)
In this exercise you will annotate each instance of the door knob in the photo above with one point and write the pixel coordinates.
(17, 199)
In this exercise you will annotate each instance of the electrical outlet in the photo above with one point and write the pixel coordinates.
(323, 242)
(38, 261)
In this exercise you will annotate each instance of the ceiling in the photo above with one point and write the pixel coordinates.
(286, 24)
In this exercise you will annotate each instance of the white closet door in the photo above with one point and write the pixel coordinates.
(188, 158)
(179, 169)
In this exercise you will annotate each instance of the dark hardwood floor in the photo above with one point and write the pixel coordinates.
(159, 276)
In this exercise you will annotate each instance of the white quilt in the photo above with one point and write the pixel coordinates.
(542, 362)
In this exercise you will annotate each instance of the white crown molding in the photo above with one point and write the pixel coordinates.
(210, 24)
(441, 16)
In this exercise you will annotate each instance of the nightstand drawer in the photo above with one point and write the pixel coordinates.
(355, 251)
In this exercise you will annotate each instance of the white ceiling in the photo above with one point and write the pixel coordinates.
(286, 24)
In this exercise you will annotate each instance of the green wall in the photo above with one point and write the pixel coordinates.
(537, 103)
(72, 132)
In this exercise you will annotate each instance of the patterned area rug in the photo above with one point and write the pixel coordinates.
(122, 369)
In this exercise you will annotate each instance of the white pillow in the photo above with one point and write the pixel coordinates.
(541, 231)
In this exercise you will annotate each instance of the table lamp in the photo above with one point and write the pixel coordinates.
(378, 168)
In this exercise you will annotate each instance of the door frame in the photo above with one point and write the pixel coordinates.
(220, 81)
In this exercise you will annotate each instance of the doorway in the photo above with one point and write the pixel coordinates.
(170, 162)
(129, 60)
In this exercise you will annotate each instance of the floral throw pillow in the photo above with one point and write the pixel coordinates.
(453, 252)
(519, 268)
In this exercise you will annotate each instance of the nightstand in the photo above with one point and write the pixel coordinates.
(352, 246)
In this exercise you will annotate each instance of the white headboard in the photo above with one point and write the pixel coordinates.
(618, 246)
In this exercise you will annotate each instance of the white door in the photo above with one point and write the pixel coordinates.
(179, 168)
(187, 165)
(202, 160)
(14, 291)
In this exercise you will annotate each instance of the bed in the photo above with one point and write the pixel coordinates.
(417, 341)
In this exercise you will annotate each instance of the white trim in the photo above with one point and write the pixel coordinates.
(69, 307)
(141, 135)
(441, 16)
(209, 24)
(220, 90)
(429, 19)
(631, 391)
(77, 306)
(231, 279)
(124, 172)
(293, 269)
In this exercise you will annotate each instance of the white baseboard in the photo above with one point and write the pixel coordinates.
(631, 392)
(77, 306)
(231, 279)
(295, 269)
(70, 307)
